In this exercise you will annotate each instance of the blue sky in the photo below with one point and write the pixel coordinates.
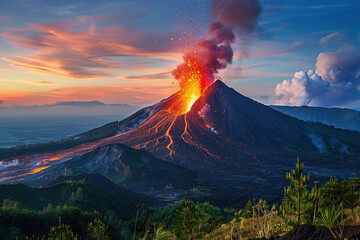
(124, 51)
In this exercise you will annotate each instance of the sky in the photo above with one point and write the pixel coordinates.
(301, 52)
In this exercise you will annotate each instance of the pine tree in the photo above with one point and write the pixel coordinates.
(61, 232)
(248, 210)
(298, 199)
(98, 230)
(352, 196)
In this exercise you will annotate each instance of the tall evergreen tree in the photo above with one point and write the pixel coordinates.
(352, 194)
(298, 199)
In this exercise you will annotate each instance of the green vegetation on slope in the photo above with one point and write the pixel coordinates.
(77, 194)
(332, 206)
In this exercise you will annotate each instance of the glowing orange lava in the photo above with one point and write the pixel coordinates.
(170, 138)
(192, 82)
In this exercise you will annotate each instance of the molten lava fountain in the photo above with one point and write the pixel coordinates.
(192, 86)
(200, 65)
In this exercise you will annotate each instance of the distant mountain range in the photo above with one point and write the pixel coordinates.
(227, 149)
(337, 117)
(84, 104)
(70, 103)
(79, 103)
(69, 108)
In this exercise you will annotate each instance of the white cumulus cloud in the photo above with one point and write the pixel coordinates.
(335, 82)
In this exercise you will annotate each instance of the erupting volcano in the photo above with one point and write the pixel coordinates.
(208, 56)
(219, 119)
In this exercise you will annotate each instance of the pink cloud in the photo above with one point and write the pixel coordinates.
(155, 76)
(78, 49)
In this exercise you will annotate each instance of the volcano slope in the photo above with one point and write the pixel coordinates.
(238, 144)
(223, 128)
(238, 148)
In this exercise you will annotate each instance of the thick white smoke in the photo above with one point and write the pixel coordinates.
(335, 82)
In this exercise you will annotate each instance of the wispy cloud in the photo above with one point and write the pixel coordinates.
(37, 83)
(298, 7)
(303, 10)
(266, 49)
(334, 38)
(7, 70)
(78, 49)
(155, 76)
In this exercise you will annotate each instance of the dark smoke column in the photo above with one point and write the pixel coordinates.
(208, 56)
(242, 14)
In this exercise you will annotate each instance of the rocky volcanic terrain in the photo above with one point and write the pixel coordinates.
(228, 148)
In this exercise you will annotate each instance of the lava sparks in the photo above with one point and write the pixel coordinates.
(201, 64)
(208, 56)
(193, 83)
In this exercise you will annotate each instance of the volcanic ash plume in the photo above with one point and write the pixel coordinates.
(205, 60)
(208, 56)
(242, 14)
